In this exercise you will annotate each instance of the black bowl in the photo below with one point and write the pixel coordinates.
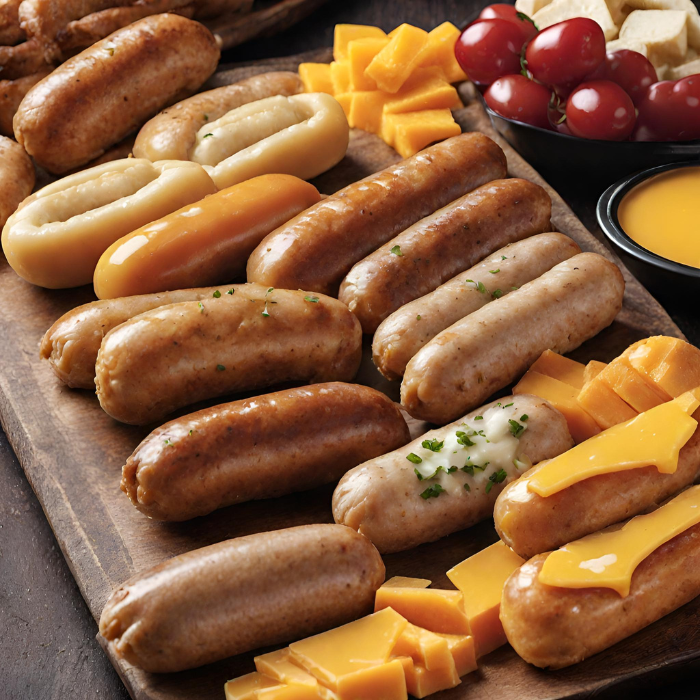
(592, 163)
(665, 279)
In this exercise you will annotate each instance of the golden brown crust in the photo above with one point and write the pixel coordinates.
(12, 93)
(21, 60)
(242, 594)
(10, 31)
(16, 177)
(555, 627)
(106, 92)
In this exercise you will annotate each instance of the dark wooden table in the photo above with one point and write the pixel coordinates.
(47, 636)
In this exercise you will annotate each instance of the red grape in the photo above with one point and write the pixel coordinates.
(516, 97)
(630, 70)
(600, 109)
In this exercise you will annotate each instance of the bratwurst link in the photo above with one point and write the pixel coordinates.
(385, 500)
(254, 338)
(242, 594)
(317, 248)
(460, 368)
(440, 246)
(110, 89)
(263, 447)
(531, 524)
(555, 627)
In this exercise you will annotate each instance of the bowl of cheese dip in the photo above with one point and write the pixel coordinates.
(652, 220)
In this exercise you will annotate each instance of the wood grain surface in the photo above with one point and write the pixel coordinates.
(72, 454)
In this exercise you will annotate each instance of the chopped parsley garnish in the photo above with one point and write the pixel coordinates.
(312, 299)
(230, 291)
(396, 250)
(503, 257)
(220, 368)
(467, 487)
(469, 468)
(201, 308)
(265, 312)
(190, 433)
(206, 136)
(419, 475)
(110, 49)
(418, 317)
(496, 478)
(524, 417)
(451, 470)
(206, 117)
(508, 405)
(432, 492)
(478, 418)
(479, 286)
(515, 428)
(515, 288)
(216, 294)
(493, 272)
(432, 445)
(412, 457)
(463, 438)
(497, 294)
(168, 442)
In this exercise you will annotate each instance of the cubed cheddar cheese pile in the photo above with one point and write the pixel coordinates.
(419, 641)
(597, 396)
(398, 86)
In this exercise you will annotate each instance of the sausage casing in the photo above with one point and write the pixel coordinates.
(110, 89)
(531, 524)
(553, 627)
(408, 329)
(182, 353)
(242, 594)
(484, 352)
(440, 246)
(382, 500)
(16, 177)
(72, 343)
(316, 249)
(268, 446)
(172, 133)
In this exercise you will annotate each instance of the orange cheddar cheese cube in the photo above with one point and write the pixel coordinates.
(357, 646)
(463, 650)
(440, 51)
(421, 682)
(391, 67)
(434, 609)
(361, 52)
(481, 579)
(407, 582)
(630, 386)
(412, 132)
(425, 89)
(345, 33)
(278, 666)
(606, 407)
(345, 101)
(246, 687)
(564, 398)
(316, 77)
(592, 370)
(292, 692)
(424, 647)
(673, 365)
(366, 110)
(556, 366)
(386, 681)
(340, 77)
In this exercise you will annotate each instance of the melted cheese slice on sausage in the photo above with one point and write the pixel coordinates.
(608, 559)
(653, 438)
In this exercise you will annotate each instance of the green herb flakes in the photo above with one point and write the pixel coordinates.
(206, 136)
(497, 294)
(396, 250)
(413, 457)
(311, 299)
(201, 307)
(524, 417)
(220, 368)
(467, 487)
(231, 291)
(515, 428)
(493, 272)
(432, 492)
(418, 317)
(216, 294)
(478, 418)
(479, 286)
(432, 445)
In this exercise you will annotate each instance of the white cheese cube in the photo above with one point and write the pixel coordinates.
(663, 31)
(618, 44)
(684, 5)
(683, 71)
(561, 10)
(529, 7)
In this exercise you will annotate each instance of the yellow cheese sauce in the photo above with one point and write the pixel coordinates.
(662, 215)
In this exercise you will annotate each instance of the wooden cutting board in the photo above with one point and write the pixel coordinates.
(72, 454)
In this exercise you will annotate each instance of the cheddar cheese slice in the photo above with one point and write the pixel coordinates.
(463, 650)
(421, 682)
(608, 559)
(426, 88)
(316, 77)
(630, 386)
(343, 34)
(391, 67)
(424, 647)
(440, 51)
(481, 579)
(292, 692)
(278, 666)
(592, 369)
(246, 687)
(407, 582)
(653, 438)
(340, 77)
(434, 609)
(361, 52)
(606, 407)
(411, 132)
(386, 681)
(367, 109)
(551, 364)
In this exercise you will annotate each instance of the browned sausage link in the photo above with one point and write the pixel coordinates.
(84, 32)
(316, 249)
(12, 92)
(111, 88)
(242, 594)
(442, 245)
(407, 330)
(272, 445)
(555, 627)
(171, 134)
(10, 31)
(484, 352)
(182, 353)
(531, 524)
(16, 177)
(72, 343)
(21, 60)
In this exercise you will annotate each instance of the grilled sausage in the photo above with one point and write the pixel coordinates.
(316, 249)
(21, 60)
(72, 343)
(182, 353)
(171, 134)
(272, 445)
(531, 524)
(16, 177)
(242, 594)
(10, 31)
(553, 627)
(408, 329)
(484, 352)
(110, 89)
(440, 246)
(384, 500)
(12, 92)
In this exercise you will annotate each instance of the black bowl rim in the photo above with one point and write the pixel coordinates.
(606, 212)
(677, 146)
